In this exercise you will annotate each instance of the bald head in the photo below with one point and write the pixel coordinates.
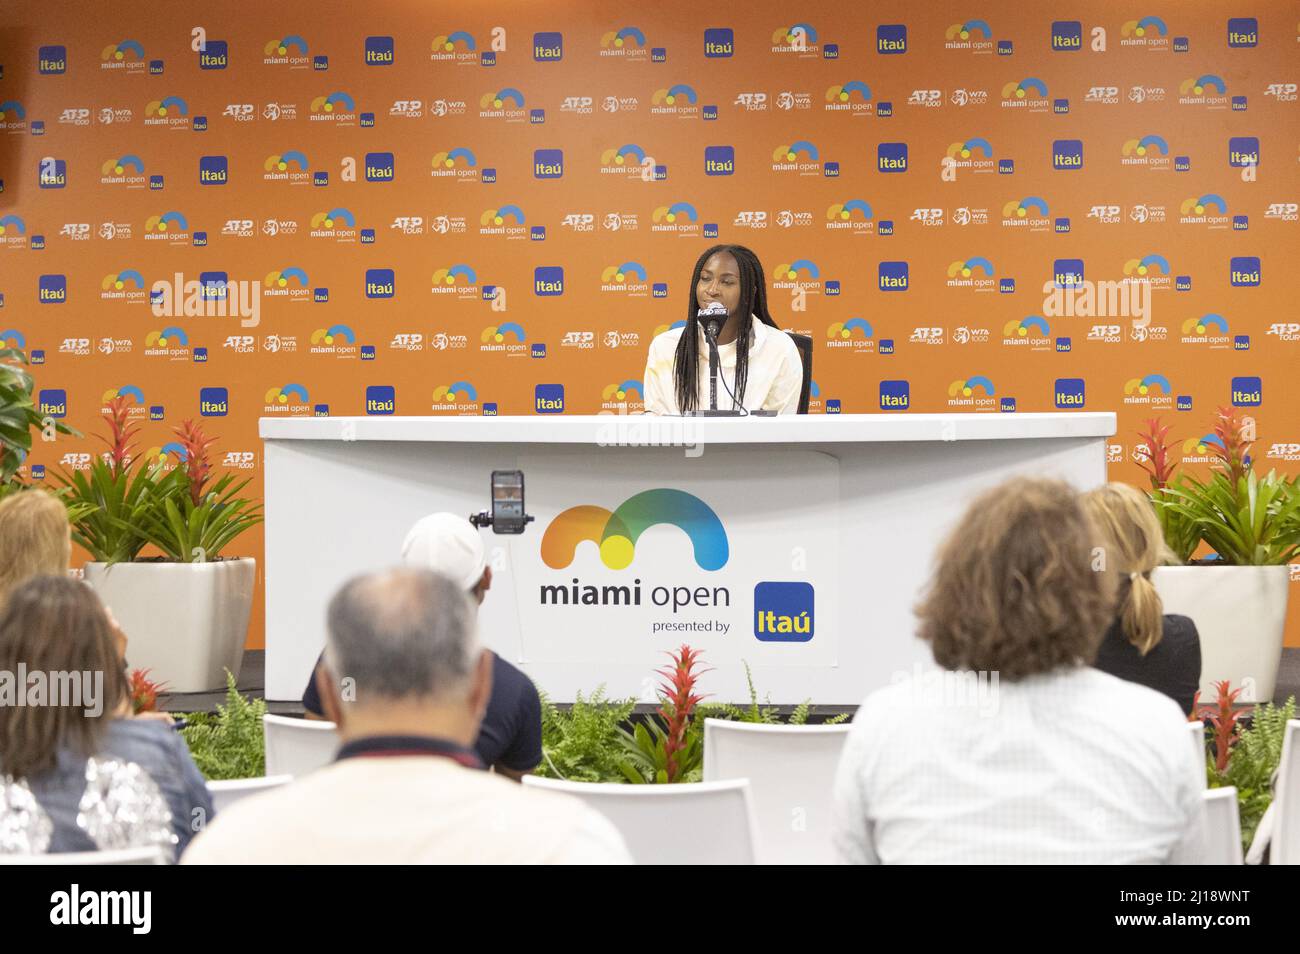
(402, 633)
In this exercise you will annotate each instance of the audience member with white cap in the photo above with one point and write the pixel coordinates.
(510, 737)
(406, 788)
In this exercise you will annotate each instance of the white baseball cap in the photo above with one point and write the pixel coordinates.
(447, 544)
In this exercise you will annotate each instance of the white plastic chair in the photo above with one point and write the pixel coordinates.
(1222, 827)
(791, 772)
(228, 791)
(1197, 731)
(120, 856)
(1285, 848)
(701, 823)
(297, 746)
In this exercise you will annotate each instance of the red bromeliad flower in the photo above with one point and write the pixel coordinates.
(197, 466)
(122, 445)
(1158, 465)
(1224, 720)
(679, 701)
(1232, 455)
(144, 691)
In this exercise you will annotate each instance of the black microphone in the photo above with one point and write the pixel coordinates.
(712, 316)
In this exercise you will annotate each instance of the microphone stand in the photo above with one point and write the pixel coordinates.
(711, 329)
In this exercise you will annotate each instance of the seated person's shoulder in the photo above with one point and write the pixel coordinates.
(1181, 629)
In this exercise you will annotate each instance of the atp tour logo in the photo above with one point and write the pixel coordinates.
(459, 164)
(127, 170)
(290, 51)
(1209, 329)
(855, 335)
(507, 221)
(13, 118)
(679, 100)
(337, 340)
(853, 98)
(291, 167)
(1030, 213)
(1152, 270)
(1283, 331)
(508, 338)
(1030, 95)
(1152, 390)
(337, 107)
(802, 274)
(976, 392)
(456, 47)
(627, 279)
(1032, 333)
(854, 217)
(458, 281)
(287, 399)
(629, 161)
(1149, 32)
(338, 223)
(458, 396)
(1149, 151)
(170, 112)
(124, 57)
(170, 342)
(289, 283)
(799, 40)
(124, 286)
(971, 155)
(974, 273)
(506, 104)
(799, 157)
(1209, 210)
(1206, 90)
(680, 218)
(973, 36)
(625, 44)
(627, 397)
(170, 226)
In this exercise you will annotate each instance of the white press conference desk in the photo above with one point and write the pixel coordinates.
(795, 545)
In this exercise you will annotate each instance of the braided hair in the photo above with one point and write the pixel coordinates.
(753, 302)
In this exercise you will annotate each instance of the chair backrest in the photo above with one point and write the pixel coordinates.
(805, 346)
(701, 823)
(1285, 846)
(118, 856)
(1197, 731)
(228, 791)
(298, 746)
(1222, 827)
(791, 772)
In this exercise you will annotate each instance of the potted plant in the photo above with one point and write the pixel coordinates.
(185, 612)
(1237, 596)
(18, 415)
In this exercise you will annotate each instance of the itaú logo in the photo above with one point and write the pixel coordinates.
(616, 532)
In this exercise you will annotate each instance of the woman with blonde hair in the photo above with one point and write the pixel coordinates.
(1143, 644)
(35, 538)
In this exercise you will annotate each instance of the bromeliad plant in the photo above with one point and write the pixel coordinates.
(664, 749)
(109, 502)
(1247, 519)
(197, 517)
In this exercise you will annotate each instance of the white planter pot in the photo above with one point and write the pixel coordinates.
(1240, 613)
(184, 621)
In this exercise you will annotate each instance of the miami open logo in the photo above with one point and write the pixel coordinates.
(616, 532)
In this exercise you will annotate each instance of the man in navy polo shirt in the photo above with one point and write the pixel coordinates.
(510, 737)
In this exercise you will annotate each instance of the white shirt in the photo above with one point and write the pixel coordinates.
(407, 810)
(774, 380)
(1075, 767)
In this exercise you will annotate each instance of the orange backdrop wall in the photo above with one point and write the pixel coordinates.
(434, 208)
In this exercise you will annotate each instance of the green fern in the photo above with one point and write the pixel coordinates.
(229, 744)
(582, 743)
(1255, 757)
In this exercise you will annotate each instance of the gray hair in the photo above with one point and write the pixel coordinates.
(402, 633)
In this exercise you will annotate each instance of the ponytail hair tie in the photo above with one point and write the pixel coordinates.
(1133, 577)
